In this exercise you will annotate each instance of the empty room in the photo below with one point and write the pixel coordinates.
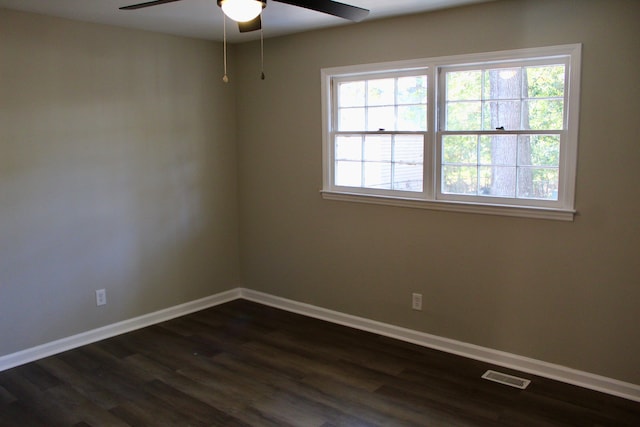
(365, 213)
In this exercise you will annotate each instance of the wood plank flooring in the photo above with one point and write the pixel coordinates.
(245, 364)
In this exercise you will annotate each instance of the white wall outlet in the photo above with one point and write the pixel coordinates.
(416, 301)
(101, 297)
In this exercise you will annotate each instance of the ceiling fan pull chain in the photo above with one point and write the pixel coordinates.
(262, 54)
(224, 47)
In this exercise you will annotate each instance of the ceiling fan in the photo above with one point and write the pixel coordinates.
(247, 12)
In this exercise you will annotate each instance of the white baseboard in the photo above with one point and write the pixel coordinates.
(54, 347)
(496, 357)
(513, 361)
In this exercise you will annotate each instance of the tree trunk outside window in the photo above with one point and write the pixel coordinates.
(509, 112)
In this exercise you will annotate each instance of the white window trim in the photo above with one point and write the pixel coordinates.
(564, 209)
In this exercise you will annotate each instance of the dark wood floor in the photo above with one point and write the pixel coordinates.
(244, 364)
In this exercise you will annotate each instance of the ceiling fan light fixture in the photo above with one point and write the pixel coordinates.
(242, 10)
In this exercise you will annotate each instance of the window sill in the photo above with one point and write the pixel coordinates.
(439, 205)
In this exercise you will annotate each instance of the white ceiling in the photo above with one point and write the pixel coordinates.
(203, 18)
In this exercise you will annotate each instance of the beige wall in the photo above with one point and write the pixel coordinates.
(565, 293)
(117, 171)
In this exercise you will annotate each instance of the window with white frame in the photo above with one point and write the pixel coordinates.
(379, 134)
(490, 133)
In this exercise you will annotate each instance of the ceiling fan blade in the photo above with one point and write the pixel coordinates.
(253, 25)
(341, 10)
(147, 4)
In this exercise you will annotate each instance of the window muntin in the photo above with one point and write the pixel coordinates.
(525, 168)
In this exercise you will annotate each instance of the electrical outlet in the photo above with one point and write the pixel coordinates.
(101, 297)
(416, 301)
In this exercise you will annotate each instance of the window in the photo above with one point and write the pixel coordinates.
(380, 126)
(489, 133)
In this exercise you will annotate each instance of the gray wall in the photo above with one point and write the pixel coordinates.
(565, 293)
(117, 171)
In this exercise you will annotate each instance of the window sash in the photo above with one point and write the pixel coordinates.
(367, 107)
(442, 71)
(515, 199)
(393, 161)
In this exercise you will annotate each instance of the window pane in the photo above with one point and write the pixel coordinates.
(503, 83)
(351, 94)
(348, 148)
(408, 153)
(412, 90)
(407, 177)
(464, 85)
(381, 118)
(506, 114)
(381, 92)
(377, 175)
(460, 149)
(464, 115)
(459, 180)
(498, 150)
(377, 148)
(545, 82)
(409, 149)
(349, 173)
(497, 181)
(412, 117)
(539, 150)
(350, 119)
(544, 114)
(538, 183)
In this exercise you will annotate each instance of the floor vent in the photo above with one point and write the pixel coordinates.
(505, 379)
